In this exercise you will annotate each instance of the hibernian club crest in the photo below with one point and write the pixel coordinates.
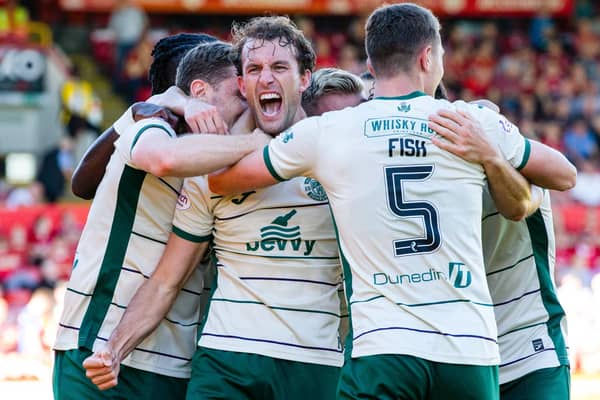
(314, 190)
(404, 107)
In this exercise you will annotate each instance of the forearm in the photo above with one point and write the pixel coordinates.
(145, 311)
(91, 168)
(194, 155)
(509, 189)
(249, 173)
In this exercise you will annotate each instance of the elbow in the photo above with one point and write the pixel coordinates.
(518, 212)
(80, 191)
(165, 164)
(216, 185)
(569, 180)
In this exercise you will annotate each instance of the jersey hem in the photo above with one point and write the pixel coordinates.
(437, 357)
(291, 356)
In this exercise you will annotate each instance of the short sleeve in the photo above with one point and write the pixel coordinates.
(293, 152)
(193, 219)
(514, 146)
(125, 121)
(132, 133)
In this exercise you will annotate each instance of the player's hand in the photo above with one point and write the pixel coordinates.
(102, 369)
(202, 117)
(144, 110)
(463, 136)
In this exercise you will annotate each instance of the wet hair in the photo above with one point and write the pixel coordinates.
(329, 80)
(166, 55)
(395, 34)
(209, 62)
(277, 28)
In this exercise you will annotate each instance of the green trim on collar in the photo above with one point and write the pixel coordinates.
(412, 95)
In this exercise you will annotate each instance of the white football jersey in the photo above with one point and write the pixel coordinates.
(277, 269)
(408, 216)
(519, 260)
(124, 237)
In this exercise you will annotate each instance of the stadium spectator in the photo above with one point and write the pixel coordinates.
(129, 23)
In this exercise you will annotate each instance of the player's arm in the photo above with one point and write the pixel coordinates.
(464, 137)
(148, 307)
(155, 151)
(537, 196)
(90, 170)
(91, 167)
(548, 168)
(292, 153)
(249, 173)
(201, 117)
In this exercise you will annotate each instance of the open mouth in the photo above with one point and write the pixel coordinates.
(270, 104)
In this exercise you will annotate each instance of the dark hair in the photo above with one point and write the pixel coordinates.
(272, 28)
(441, 92)
(208, 62)
(167, 53)
(395, 34)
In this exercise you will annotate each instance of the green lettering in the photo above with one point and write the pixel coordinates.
(376, 125)
(309, 246)
(296, 244)
(267, 245)
(252, 247)
(383, 278)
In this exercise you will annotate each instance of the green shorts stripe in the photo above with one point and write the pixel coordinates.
(218, 374)
(70, 383)
(404, 377)
(547, 384)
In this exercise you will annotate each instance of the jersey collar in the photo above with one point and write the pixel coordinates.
(409, 96)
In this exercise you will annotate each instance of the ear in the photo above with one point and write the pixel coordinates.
(242, 86)
(305, 80)
(370, 68)
(199, 88)
(425, 58)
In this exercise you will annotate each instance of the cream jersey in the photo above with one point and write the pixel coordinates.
(124, 237)
(519, 260)
(277, 270)
(408, 216)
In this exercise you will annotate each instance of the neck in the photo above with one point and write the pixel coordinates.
(299, 116)
(398, 85)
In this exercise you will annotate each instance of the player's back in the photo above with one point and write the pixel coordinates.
(408, 216)
(519, 260)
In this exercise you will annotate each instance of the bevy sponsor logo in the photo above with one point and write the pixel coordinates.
(279, 236)
(458, 275)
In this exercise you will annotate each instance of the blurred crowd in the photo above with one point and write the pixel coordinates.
(542, 72)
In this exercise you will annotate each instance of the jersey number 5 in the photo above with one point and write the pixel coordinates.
(395, 178)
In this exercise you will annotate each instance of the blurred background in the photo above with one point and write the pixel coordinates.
(69, 68)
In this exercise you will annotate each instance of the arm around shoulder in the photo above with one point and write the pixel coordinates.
(548, 168)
